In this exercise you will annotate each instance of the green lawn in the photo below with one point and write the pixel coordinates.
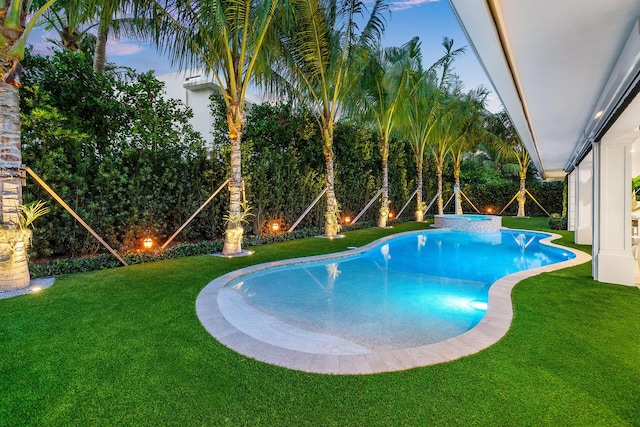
(124, 347)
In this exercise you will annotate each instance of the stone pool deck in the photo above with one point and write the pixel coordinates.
(293, 348)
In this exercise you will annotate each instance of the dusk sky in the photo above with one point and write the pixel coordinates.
(430, 20)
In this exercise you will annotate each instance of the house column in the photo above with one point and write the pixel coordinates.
(584, 201)
(612, 258)
(571, 200)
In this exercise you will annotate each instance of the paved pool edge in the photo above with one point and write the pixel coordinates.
(493, 326)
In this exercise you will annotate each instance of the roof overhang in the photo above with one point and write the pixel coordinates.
(565, 71)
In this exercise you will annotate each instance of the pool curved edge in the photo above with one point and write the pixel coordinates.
(493, 326)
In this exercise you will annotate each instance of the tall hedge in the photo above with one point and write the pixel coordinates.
(115, 150)
(125, 158)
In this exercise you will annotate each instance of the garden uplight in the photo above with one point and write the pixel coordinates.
(347, 219)
(147, 243)
(390, 215)
(275, 227)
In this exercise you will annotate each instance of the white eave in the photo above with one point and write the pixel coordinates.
(555, 64)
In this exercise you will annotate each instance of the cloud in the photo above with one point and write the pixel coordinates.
(117, 48)
(408, 4)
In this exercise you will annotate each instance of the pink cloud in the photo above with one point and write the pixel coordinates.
(123, 48)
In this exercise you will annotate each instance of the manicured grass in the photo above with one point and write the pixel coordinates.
(124, 347)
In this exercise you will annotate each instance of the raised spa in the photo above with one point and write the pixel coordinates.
(480, 223)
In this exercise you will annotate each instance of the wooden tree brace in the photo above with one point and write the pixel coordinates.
(366, 207)
(75, 215)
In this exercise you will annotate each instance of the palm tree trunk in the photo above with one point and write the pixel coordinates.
(456, 174)
(331, 223)
(99, 54)
(14, 271)
(383, 213)
(420, 205)
(440, 169)
(233, 234)
(522, 196)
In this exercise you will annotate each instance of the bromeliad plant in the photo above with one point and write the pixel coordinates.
(234, 232)
(9, 238)
(14, 272)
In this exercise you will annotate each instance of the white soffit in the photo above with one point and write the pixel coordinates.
(549, 61)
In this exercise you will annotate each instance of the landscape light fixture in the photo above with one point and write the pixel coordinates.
(147, 243)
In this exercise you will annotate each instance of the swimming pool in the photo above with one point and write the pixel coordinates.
(412, 292)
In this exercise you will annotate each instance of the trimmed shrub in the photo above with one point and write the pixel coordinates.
(557, 222)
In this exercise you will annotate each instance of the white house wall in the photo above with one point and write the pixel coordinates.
(196, 99)
(584, 201)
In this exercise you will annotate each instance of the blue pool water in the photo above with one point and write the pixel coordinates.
(412, 290)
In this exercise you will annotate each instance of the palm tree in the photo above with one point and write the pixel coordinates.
(320, 52)
(69, 18)
(378, 97)
(232, 40)
(510, 145)
(106, 11)
(471, 123)
(507, 142)
(448, 80)
(14, 31)
(419, 122)
(450, 87)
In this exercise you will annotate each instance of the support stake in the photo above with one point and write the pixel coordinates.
(534, 199)
(366, 207)
(446, 204)
(295, 224)
(75, 215)
(407, 204)
(195, 213)
(430, 203)
(509, 204)
(467, 199)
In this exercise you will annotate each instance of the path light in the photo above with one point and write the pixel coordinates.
(489, 210)
(147, 243)
(347, 219)
(390, 215)
(275, 227)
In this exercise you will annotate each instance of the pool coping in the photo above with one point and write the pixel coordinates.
(493, 326)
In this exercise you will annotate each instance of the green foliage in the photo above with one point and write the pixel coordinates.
(357, 168)
(116, 151)
(123, 158)
(32, 211)
(284, 167)
(283, 164)
(488, 187)
(557, 222)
